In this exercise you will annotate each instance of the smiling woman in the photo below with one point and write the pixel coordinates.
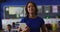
(34, 23)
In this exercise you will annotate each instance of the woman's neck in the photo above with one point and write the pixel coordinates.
(32, 16)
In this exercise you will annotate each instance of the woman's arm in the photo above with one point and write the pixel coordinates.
(44, 28)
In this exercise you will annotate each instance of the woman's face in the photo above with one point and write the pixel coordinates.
(31, 8)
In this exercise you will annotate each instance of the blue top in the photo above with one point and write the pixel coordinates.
(14, 27)
(33, 24)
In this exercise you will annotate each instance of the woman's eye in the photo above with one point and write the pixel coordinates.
(29, 7)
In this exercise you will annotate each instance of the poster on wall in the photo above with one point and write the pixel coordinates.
(7, 8)
(54, 9)
(47, 9)
(39, 9)
(14, 12)
(24, 12)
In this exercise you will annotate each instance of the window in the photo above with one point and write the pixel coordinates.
(14, 12)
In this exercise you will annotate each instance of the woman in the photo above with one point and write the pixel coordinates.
(34, 23)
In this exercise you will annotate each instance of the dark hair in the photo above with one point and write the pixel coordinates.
(27, 13)
(9, 25)
(13, 23)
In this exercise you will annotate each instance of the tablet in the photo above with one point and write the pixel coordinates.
(23, 25)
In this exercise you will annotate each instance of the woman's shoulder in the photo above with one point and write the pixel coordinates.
(24, 18)
(39, 17)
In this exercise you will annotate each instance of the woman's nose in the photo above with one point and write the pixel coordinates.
(31, 8)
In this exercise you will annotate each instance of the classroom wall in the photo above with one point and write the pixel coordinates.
(23, 2)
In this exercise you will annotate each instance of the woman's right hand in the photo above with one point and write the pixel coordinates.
(26, 29)
(19, 29)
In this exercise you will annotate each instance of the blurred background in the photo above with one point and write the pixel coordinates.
(14, 10)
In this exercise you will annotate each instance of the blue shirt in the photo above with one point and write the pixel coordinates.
(14, 27)
(34, 24)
